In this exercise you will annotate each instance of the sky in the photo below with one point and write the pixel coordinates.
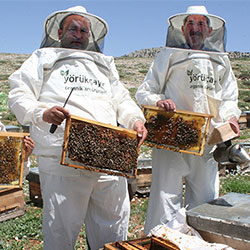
(133, 24)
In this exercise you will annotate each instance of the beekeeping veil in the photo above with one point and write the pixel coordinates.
(98, 29)
(216, 40)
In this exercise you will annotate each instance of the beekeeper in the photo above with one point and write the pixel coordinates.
(70, 57)
(191, 73)
(28, 148)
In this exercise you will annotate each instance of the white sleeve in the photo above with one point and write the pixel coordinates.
(25, 86)
(152, 88)
(229, 105)
(128, 112)
(26, 168)
(2, 127)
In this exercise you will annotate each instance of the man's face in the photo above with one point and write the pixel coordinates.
(196, 30)
(75, 32)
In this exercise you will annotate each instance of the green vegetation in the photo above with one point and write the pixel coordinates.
(3, 102)
(4, 77)
(143, 71)
(132, 92)
(137, 217)
(21, 232)
(244, 135)
(244, 106)
(243, 94)
(236, 183)
(145, 152)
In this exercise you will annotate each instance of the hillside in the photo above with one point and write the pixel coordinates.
(132, 69)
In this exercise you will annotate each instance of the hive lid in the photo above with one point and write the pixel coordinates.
(228, 215)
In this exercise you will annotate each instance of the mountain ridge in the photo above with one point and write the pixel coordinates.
(152, 52)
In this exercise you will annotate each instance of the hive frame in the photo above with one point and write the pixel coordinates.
(22, 155)
(72, 118)
(156, 110)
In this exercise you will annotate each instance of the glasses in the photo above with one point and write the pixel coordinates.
(76, 29)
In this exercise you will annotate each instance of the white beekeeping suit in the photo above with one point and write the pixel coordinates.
(73, 196)
(199, 81)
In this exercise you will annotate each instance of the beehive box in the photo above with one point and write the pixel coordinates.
(179, 131)
(12, 203)
(12, 152)
(225, 220)
(148, 243)
(100, 147)
(34, 187)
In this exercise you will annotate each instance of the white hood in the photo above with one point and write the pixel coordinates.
(215, 42)
(99, 28)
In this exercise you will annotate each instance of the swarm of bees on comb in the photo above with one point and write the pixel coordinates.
(9, 159)
(180, 131)
(102, 148)
(174, 131)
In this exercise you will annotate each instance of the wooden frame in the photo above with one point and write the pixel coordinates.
(118, 130)
(19, 157)
(202, 119)
(147, 243)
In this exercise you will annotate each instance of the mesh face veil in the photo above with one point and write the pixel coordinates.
(98, 28)
(216, 41)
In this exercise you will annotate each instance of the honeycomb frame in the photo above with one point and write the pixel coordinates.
(186, 126)
(12, 153)
(102, 139)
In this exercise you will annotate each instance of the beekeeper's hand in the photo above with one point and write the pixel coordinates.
(28, 146)
(167, 105)
(55, 115)
(141, 131)
(235, 126)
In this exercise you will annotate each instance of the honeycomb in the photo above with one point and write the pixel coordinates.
(178, 131)
(101, 148)
(173, 131)
(9, 159)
